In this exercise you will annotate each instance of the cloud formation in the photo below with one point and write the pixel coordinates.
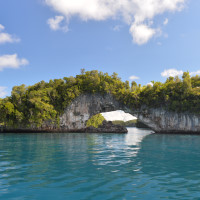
(1, 27)
(142, 33)
(55, 23)
(3, 92)
(136, 13)
(195, 73)
(150, 83)
(6, 37)
(133, 78)
(171, 72)
(117, 28)
(12, 61)
(166, 21)
(175, 72)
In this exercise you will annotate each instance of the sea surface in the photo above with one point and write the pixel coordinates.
(137, 165)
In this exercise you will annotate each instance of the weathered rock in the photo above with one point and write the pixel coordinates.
(158, 119)
(85, 106)
(106, 127)
(163, 121)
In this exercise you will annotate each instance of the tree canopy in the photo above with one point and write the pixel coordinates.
(95, 121)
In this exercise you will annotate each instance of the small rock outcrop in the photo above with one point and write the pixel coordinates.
(106, 127)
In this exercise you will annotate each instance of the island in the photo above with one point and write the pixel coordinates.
(66, 105)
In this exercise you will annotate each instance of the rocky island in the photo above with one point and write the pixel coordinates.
(66, 105)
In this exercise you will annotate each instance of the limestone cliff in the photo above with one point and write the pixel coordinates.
(82, 108)
(163, 121)
(158, 119)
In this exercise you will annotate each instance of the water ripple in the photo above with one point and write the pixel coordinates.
(137, 165)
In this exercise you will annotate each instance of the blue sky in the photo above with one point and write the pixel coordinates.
(46, 39)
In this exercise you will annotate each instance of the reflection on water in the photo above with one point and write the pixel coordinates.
(137, 165)
(136, 136)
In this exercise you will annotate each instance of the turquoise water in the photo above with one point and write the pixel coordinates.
(137, 165)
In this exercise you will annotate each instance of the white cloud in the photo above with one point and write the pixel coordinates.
(55, 23)
(118, 115)
(172, 72)
(136, 13)
(3, 92)
(6, 37)
(175, 72)
(1, 27)
(133, 77)
(141, 33)
(150, 83)
(166, 21)
(195, 73)
(12, 61)
(117, 28)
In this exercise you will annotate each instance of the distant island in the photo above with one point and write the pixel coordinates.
(130, 123)
(67, 104)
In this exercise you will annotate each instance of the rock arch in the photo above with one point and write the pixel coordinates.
(85, 106)
(159, 119)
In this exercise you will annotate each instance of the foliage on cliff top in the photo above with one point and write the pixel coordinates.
(179, 95)
(45, 101)
(95, 121)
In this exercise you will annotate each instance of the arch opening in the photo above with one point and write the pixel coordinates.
(85, 106)
(119, 117)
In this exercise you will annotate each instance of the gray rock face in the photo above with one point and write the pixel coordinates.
(84, 107)
(158, 119)
(163, 121)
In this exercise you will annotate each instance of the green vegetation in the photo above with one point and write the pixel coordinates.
(130, 123)
(32, 106)
(95, 121)
(175, 94)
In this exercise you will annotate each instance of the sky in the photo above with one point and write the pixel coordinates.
(118, 115)
(141, 40)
